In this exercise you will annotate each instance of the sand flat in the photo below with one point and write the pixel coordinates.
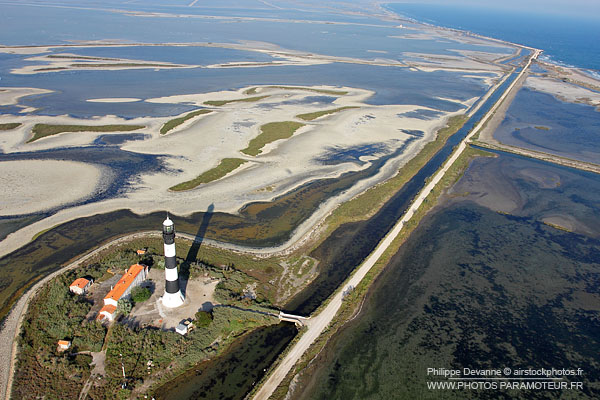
(11, 95)
(35, 185)
(201, 143)
(115, 100)
(563, 90)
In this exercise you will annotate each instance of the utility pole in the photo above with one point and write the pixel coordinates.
(124, 384)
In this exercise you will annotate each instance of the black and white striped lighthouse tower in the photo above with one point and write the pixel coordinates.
(172, 297)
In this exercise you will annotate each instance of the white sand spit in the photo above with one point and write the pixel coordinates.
(11, 95)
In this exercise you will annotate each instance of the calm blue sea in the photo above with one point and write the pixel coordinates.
(565, 39)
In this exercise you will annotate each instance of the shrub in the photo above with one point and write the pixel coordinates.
(140, 294)
(203, 318)
(124, 306)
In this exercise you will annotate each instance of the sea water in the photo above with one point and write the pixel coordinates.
(565, 39)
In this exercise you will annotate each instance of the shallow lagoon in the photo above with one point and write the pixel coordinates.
(73, 88)
(539, 121)
(480, 289)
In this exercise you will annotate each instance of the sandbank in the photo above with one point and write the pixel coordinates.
(115, 100)
(67, 62)
(11, 95)
(35, 185)
(563, 90)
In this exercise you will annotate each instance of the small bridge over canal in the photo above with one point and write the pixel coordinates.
(296, 319)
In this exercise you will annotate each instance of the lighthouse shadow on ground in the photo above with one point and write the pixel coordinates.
(184, 268)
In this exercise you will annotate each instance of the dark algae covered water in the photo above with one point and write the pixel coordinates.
(481, 289)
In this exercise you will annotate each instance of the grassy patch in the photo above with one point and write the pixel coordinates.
(178, 121)
(218, 103)
(314, 115)
(9, 126)
(225, 166)
(42, 130)
(555, 226)
(269, 133)
(322, 91)
(50, 69)
(542, 128)
(40, 233)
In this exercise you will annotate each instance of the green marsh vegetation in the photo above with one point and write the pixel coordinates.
(218, 103)
(172, 124)
(226, 166)
(321, 91)
(314, 115)
(43, 130)
(269, 133)
(9, 126)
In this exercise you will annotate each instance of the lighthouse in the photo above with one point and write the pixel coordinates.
(172, 297)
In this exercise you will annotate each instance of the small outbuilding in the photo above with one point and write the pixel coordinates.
(109, 312)
(181, 328)
(63, 345)
(81, 285)
(184, 327)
